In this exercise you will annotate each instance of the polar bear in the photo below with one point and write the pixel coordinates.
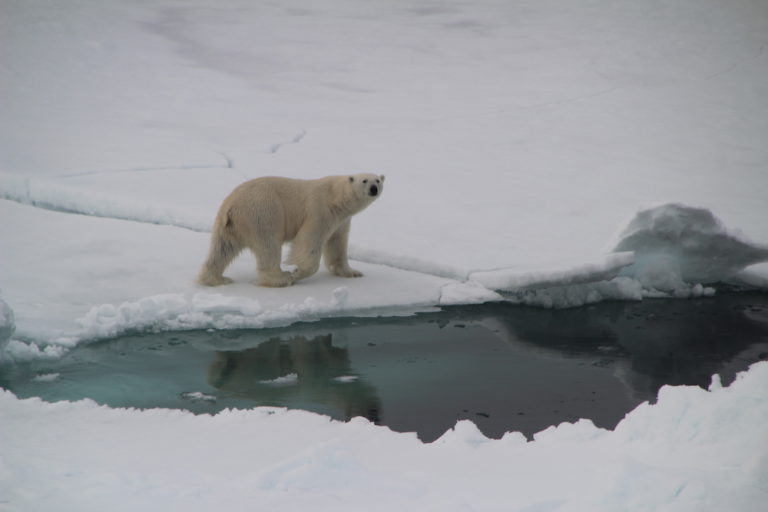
(314, 215)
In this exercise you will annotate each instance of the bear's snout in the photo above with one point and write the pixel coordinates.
(374, 191)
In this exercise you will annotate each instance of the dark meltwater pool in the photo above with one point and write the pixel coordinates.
(502, 366)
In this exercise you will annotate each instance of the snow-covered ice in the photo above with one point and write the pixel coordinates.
(7, 323)
(549, 153)
(693, 450)
(675, 246)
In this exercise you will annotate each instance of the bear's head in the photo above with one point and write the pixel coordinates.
(367, 186)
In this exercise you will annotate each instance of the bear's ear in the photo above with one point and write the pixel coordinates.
(351, 179)
(382, 177)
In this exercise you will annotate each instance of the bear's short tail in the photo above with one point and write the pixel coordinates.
(224, 248)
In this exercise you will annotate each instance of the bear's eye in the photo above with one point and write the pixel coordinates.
(365, 181)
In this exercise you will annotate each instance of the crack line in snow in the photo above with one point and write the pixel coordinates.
(150, 169)
(48, 196)
(574, 99)
(759, 53)
(230, 162)
(274, 148)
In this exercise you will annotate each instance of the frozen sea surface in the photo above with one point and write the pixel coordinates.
(555, 154)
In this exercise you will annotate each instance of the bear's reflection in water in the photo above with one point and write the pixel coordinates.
(296, 372)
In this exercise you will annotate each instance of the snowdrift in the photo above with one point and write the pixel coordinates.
(677, 247)
(670, 250)
(692, 450)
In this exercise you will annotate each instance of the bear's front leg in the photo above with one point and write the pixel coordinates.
(305, 253)
(335, 253)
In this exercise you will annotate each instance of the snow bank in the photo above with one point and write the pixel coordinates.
(18, 351)
(7, 323)
(544, 276)
(565, 285)
(171, 312)
(575, 295)
(692, 450)
(755, 276)
(671, 250)
(290, 379)
(677, 247)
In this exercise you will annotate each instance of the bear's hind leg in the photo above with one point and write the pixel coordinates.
(268, 265)
(220, 255)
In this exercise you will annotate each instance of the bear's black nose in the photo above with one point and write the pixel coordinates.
(374, 190)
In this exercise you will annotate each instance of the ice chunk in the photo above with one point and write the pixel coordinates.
(678, 246)
(197, 396)
(668, 250)
(575, 295)
(7, 324)
(565, 273)
(284, 380)
(18, 351)
(340, 297)
(567, 284)
(46, 377)
(469, 292)
(755, 276)
(346, 379)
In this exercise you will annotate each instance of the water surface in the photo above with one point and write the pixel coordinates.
(505, 367)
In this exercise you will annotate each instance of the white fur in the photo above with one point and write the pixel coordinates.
(314, 215)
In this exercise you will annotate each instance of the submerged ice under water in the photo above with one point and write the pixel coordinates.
(504, 367)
